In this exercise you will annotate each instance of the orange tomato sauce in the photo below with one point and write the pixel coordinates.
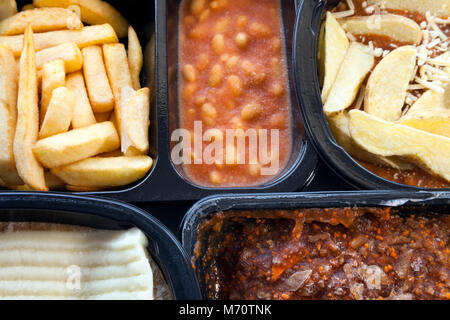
(233, 75)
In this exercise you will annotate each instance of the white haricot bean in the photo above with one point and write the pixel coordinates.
(257, 29)
(189, 73)
(235, 84)
(221, 25)
(232, 62)
(276, 90)
(215, 75)
(189, 91)
(209, 114)
(218, 43)
(251, 111)
(241, 40)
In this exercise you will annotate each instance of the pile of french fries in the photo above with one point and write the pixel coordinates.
(72, 112)
(365, 91)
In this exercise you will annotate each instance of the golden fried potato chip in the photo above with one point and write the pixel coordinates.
(59, 113)
(83, 115)
(394, 26)
(87, 36)
(135, 119)
(53, 76)
(27, 129)
(440, 8)
(8, 171)
(387, 86)
(76, 145)
(9, 77)
(135, 58)
(335, 48)
(356, 65)
(92, 12)
(41, 20)
(428, 151)
(118, 71)
(68, 52)
(105, 172)
(97, 83)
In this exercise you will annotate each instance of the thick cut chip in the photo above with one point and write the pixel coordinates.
(116, 62)
(340, 127)
(440, 8)
(335, 48)
(68, 52)
(9, 73)
(41, 20)
(99, 89)
(85, 37)
(387, 86)
(27, 129)
(53, 76)
(429, 151)
(8, 171)
(59, 113)
(135, 120)
(135, 58)
(8, 116)
(356, 65)
(7, 8)
(83, 115)
(394, 26)
(105, 172)
(92, 12)
(429, 113)
(76, 145)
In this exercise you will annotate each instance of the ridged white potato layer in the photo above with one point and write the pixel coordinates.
(85, 264)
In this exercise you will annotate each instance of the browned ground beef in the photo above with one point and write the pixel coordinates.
(325, 254)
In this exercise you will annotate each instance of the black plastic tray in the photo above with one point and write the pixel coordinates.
(404, 203)
(309, 19)
(111, 215)
(156, 25)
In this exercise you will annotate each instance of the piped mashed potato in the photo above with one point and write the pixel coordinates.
(45, 261)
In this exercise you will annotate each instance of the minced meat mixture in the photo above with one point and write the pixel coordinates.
(357, 253)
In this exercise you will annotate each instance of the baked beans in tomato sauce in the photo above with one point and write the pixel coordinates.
(233, 75)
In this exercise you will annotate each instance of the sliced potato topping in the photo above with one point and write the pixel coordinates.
(336, 46)
(428, 151)
(356, 65)
(340, 126)
(394, 26)
(386, 88)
